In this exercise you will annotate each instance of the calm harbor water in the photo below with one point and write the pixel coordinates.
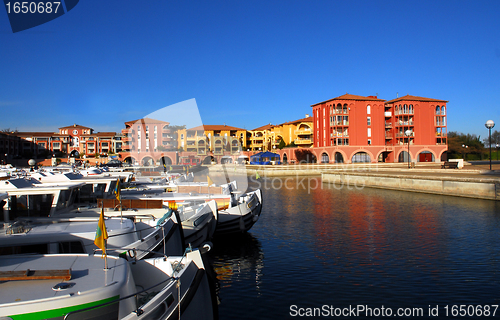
(316, 246)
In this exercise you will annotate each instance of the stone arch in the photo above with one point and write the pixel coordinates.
(370, 155)
(339, 156)
(325, 158)
(443, 156)
(209, 159)
(147, 161)
(285, 158)
(423, 156)
(129, 160)
(165, 160)
(361, 156)
(403, 156)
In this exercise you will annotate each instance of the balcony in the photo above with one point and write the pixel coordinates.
(404, 123)
(302, 132)
(303, 141)
(387, 114)
(402, 135)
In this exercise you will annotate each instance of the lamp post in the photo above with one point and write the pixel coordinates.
(408, 133)
(497, 151)
(465, 151)
(490, 124)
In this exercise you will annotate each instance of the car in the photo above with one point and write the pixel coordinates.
(114, 163)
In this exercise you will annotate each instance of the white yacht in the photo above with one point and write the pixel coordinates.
(81, 286)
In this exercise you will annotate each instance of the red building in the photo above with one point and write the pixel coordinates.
(354, 128)
(148, 141)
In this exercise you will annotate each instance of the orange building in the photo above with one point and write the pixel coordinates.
(298, 132)
(353, 128)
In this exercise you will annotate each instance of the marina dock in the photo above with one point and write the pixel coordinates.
(472, 181)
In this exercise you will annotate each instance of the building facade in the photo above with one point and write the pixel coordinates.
(353, 128)
(298, 133)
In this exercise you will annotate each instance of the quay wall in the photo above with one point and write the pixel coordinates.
(425, 178)
(480, 188)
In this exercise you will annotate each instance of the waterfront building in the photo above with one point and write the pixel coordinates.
(146, 141)
(213, 139)
(298, 133)
(9, 146)
(353, 128)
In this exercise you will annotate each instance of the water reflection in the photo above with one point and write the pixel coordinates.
(337, 246)
(237, 258)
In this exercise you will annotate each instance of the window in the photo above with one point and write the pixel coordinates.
(368, 109)
(369, 141)
(369, 121)
(369, 132)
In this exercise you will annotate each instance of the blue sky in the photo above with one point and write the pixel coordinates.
(247, 63)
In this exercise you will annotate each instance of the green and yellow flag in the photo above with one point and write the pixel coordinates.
(117, 190)
(210, 182)
(257, 175)
(101, 234)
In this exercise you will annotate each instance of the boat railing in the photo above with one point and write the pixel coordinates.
(139, 310)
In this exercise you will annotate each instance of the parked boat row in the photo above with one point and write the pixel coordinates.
(154, 269)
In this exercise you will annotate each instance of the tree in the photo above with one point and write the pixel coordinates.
(495, 139)
(282, 144)
(460, 144)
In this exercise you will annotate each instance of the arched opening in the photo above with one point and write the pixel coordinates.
(339, 158)
(443, 110)
(368, 109)
(148, 161)
(444, 156)
(345, 108)
(325, 158)
(403, 156)
(129, 160)
(411, 109)
(426, 156)
(285, 158)
(382, 157)
(209, 159)
(361, 157)
(226, 159)
(339, 108)
(438, 110)
(74, 154)
(165, 161)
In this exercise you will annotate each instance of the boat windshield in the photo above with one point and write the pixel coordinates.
(66, 199)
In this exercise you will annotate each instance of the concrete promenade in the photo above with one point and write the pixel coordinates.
(473, 181)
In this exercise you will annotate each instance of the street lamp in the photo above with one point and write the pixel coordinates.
(465, 151)
(408, 133)
(497, 151)
(490, 124)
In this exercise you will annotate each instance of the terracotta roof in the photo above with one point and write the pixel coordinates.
(265, 127)
(351, 97)
(146, 120)
(99, 134)
(75, 126)
(308, 119)
(39, 134)
(415, 98)
(214, 127)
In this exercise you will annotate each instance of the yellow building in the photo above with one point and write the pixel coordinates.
(213, 138)
(298, 133)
